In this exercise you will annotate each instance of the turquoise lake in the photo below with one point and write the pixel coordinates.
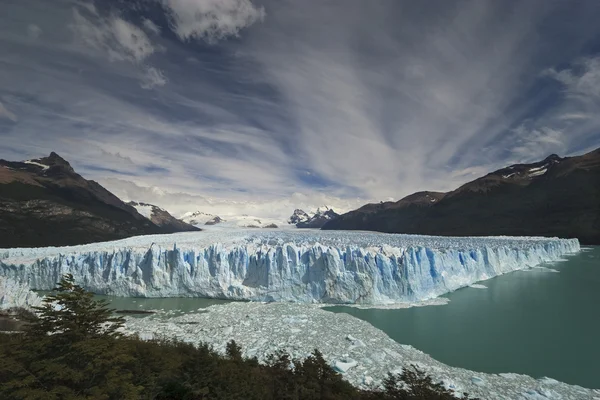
(535, 322)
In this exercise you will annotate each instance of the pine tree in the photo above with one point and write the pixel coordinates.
(74, 314)
(72, 351)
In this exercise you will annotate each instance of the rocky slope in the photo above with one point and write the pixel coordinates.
(162, 218)
(44, 202)
(554, 197)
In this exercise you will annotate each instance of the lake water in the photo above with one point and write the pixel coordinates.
(534, 322)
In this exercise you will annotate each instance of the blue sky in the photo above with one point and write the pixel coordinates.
(189, 103)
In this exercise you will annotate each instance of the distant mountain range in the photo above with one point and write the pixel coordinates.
(162, 218)
(554, 197)
(44, 202)
(199, 218)
(303, 220)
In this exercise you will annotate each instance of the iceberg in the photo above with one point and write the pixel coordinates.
(285, 265)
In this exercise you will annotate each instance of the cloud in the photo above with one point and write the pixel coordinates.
(322, 102)
(112, 36)
(151, 26)
(582, 80)
(211, 20)
(535, 143)
(153, 77)
(574, 116)
(6, 114)
(34, 31)
(386, 106)
(179, 203)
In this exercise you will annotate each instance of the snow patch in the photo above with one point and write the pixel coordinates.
(43, 166)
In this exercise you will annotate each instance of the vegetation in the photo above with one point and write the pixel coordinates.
(73, 349)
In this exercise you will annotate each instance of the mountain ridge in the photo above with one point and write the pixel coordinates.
(553, 197)
(44, 202)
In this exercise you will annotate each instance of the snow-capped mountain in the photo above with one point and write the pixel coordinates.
(318, 218)
(297, 217)
(162, 218)
(200, 218)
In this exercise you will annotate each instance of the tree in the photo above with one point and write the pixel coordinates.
(233, 350)
(74, 314)
(71, 350)
(414, 384)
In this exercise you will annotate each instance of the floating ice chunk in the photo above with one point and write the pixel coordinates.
(477, 286)
(146, 335)
(475, 380)
(545, 269)
(535, 394)
(368, 381)
(449, 384)
(354, 342)
(548, 381)
(343, 366)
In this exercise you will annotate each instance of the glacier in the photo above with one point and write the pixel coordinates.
(16, 294)
(283, 265)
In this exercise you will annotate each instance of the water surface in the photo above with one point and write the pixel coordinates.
(535, 322)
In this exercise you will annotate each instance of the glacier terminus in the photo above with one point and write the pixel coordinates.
(296, 266)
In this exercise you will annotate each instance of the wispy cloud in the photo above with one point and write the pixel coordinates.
(582, 80)
(211, 20)
(34, 31)
(153, 77)
(118, 39)
(4, 113)
(308, 102)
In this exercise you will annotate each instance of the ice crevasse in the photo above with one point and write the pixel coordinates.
(308, 267)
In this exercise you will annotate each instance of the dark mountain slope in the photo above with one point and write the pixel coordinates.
(44, 202)
(553, 197)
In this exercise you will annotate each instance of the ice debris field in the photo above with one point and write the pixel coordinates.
(362, 353)
(285, 265)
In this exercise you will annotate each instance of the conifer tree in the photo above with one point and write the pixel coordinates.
(71, 350)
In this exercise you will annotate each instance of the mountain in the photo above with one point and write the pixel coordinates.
(44, 202)
(162, 218)
(200, 218)
(553, 197)
(319, 218)
(297, 217)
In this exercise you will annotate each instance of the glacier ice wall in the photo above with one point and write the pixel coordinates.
(15, 294)
(313, 267)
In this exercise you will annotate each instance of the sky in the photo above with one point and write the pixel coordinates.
(263, 106)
